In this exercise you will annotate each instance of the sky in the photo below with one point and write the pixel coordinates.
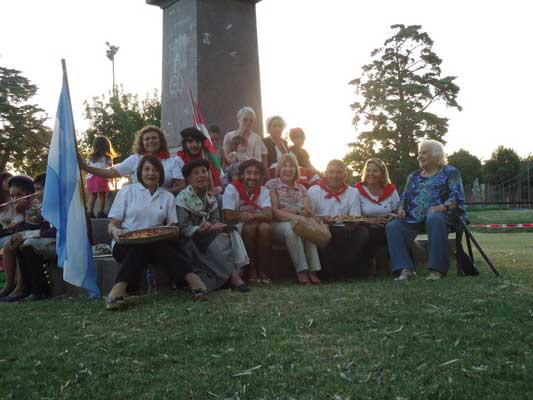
(308, 49)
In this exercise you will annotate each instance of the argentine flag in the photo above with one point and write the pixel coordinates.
(62, 203)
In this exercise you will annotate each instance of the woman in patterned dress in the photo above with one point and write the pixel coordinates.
(429, 200)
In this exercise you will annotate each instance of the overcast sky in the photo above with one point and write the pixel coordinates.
(309, 51)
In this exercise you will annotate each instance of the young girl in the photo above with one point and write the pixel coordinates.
(101, 157)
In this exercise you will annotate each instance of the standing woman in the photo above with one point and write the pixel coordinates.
(254, 144)
(150, 140)
(379, 200)
(431, 195)
(290, 202)
(138, 206)
(204, 237)
(275, 144)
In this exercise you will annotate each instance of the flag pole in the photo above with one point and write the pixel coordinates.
(65, 79)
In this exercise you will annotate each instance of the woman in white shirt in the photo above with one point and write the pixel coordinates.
(379, 201)
(143, 205)
(149, 140)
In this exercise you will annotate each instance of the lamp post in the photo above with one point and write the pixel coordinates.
(110, 53)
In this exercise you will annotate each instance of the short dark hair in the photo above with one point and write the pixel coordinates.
(188, 168)
(156, 163)
(252, 163)
(214, 129)
(192, 133)
(22, 182)
(40, 179)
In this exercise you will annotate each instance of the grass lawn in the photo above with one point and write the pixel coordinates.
(459, 338)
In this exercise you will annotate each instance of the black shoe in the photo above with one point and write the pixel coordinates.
(242, 288)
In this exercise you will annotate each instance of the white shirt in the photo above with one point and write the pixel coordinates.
(232, 200)
(387, 206)
(136, 208)
(129, 167)
(349, 204)
(102, 162)
(255, 147)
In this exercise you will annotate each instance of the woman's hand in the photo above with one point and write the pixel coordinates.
(116, 232)
(217, 190)
(16, 240)
(205, 226)
(81, 162)
(218, 227)
(434, 209)
(247, 216)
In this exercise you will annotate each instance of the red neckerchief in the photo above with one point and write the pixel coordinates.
(308, 177)
(215, 173)
(243, 193)
(330, 194)
(162, 155)
(387, 192)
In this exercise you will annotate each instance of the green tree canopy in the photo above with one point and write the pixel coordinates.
(468, 164)
(503, 167)
(395, 93)
(24, 137)
(119, 117)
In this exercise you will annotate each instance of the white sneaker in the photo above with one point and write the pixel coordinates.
(406, 275)
(433, 276)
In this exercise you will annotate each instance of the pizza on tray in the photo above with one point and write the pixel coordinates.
(148, 234)
(348, 218)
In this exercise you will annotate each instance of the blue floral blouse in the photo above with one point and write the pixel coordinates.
(421, 193)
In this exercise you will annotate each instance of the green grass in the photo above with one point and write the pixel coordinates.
(500, 216)
(459, 338)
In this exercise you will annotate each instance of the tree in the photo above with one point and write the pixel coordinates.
(24, 137)
(395, 92)
(469, 165)
(119, 117)
(503, 167)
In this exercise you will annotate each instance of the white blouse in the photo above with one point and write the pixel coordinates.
(136, 208)
(128, 167)
(386, 206)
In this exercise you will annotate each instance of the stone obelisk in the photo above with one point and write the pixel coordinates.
(209, 47)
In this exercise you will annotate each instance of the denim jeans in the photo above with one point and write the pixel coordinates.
(400, 235)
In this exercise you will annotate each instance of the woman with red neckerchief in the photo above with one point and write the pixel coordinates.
(379, 202)
(149, 140)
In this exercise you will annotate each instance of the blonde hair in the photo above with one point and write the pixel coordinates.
(289, 158)
(385, 178)
(437, 150)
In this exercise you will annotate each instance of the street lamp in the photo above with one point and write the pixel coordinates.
(110, 53)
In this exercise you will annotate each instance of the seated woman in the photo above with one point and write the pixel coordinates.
(430, 196)
(275, 144)
(379, 200)
(204, 238)
(290, 202)
(143, 205)
(150, 140)
(309, 175)
(28, 208)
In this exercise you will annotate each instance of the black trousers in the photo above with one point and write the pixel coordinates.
(135, 258)
(377, 237)
(34, 271)
(344, 255)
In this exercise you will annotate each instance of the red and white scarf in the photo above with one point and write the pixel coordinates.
(387, 192)
(332, 195)
(243, 193)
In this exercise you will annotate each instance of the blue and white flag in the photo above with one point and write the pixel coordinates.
(62, 203)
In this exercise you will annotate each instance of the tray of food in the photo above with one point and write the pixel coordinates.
(149, 235)
(348, 219)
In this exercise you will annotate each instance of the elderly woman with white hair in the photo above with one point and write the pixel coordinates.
(254, 144)
(430, 196)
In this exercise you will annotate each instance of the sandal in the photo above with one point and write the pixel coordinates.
(199, 295)
(115, 304)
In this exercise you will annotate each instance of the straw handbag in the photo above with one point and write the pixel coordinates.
(313, 230)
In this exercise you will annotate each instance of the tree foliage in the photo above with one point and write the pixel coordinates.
(24, 137)
(119, 117)
(395, 92)
(469, 165)
(503, 167)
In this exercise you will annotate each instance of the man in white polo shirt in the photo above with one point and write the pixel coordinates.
(247, 204)
(331, 198)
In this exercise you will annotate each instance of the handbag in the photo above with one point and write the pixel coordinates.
(312, 230)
